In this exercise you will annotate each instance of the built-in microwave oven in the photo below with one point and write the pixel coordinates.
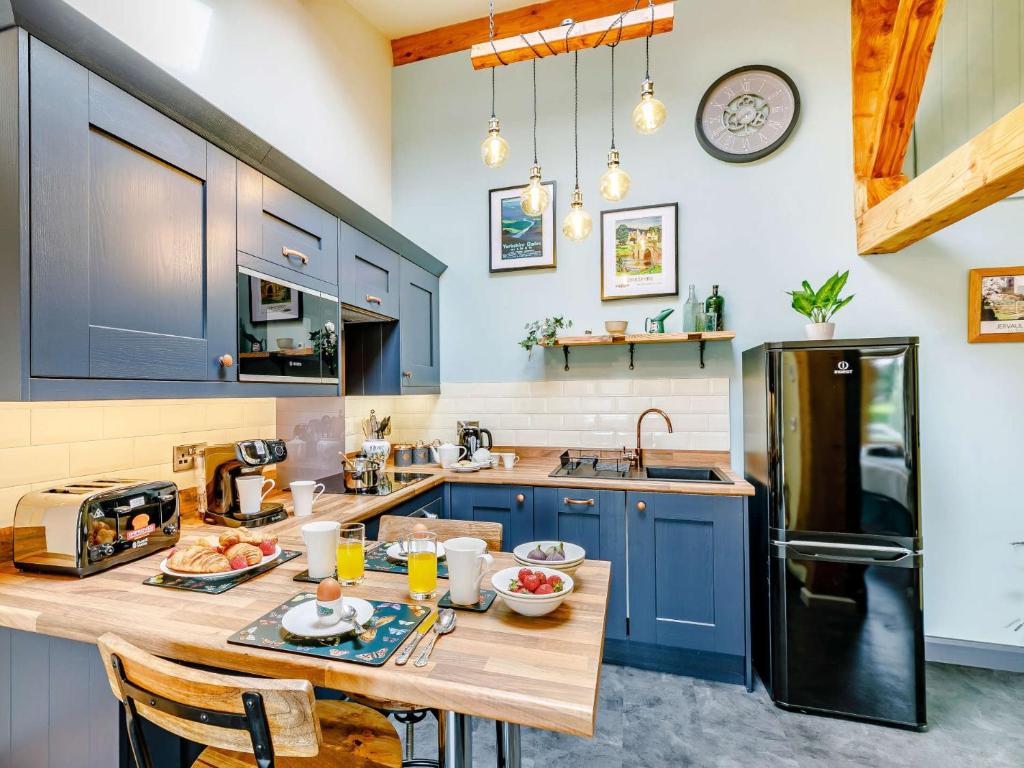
(286, 333)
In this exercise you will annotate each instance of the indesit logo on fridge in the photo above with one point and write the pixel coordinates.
(842, 368)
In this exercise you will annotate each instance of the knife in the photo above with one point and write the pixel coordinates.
(421, 630)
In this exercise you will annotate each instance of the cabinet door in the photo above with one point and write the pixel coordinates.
(510, 505)
(687, 571)
(596, 521)
(418, 327)
(369, 273)
(283, 228)
(133, 237)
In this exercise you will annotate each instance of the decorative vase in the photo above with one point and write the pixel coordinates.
(377, 449)
(820, 331)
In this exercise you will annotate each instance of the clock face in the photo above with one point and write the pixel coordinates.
(747, 114)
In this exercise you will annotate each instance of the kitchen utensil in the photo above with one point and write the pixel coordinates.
(350, 614)
(361, 472)
(526, 603)
(472, 436)
(304, 493)
(321, 540)
(656, 324)
(445, 624)
(302, 621)
(164, 568)
(467, 561)
(421, 630)
(447, 454)
(616, 327)
(351, 558)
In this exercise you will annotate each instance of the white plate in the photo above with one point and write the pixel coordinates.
(395, 553)
(466, 468)
(222, 574)
(301, 620)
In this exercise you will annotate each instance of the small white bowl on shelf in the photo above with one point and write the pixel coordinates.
(527, 603)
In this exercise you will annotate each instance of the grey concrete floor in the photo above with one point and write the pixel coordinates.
(648, 719)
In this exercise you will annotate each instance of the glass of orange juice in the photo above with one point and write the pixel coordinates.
(351, 539)
(422, 553)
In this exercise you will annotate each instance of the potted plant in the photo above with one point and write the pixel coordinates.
(821, 305)
(548, 328)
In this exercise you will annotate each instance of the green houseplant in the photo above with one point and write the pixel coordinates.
(548, 331)
(821, 305)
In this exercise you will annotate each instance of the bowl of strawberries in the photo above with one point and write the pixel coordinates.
(532, 591)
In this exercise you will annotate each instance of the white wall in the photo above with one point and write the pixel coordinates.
(312, 77)
(757, 230)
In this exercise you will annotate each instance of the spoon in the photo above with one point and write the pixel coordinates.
(348, 613)
(445, 624)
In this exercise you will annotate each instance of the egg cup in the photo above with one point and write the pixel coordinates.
(328, 612)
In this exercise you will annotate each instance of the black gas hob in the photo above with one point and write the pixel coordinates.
(389, 483)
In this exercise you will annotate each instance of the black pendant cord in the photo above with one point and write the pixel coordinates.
(534, 62)
(613, 95)
(576, 113)
(647, 44)
(493, 114)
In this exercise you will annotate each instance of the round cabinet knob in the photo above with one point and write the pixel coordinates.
(226, 360)
(520, 498)
(641, 505)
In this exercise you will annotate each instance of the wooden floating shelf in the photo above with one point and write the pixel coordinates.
(632, 339)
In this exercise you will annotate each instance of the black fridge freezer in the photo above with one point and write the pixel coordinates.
(831, 448)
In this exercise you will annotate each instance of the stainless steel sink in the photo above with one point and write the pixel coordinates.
(684, 474)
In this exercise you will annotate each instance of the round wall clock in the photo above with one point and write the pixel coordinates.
(747, 114)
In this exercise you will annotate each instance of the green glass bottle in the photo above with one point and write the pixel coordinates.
(716, 304)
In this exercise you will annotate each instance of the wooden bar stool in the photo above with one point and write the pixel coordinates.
(392, 528)
(245, 722)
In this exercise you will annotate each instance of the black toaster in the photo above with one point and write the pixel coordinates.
(82, 528)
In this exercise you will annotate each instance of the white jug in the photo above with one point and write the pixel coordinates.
(447, 454)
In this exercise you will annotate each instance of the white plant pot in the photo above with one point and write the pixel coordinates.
(820, 331)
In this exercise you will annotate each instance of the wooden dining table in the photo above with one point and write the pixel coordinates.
(536, 672)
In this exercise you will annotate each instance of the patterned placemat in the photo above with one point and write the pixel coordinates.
(390, 625)
(486, 599)
(217, 586)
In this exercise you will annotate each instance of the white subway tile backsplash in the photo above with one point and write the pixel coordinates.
(514, 421)
(15, 427)
(563, 404)
(710, 404)
(652, 387)
(615, 387)
(579, 388)
(546, 388)
(65, 425)
(690, 386)
(632, 404)
(547, 421)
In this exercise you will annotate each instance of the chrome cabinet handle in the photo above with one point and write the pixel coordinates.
(290, 252)
(226, 360)
(373, 299)
(580, 502)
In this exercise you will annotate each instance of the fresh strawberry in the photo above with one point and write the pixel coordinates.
(523, 573)
(268, 547)
(531, 582)
(543, 579)
(238, 562)
(515, 586)
(544, 589)
(555, 582)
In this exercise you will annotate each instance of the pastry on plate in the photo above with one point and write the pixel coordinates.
(250, 552)
(198, 559)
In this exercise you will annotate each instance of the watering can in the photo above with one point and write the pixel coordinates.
(656, 324)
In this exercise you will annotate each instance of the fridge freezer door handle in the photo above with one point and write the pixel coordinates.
(871, 553)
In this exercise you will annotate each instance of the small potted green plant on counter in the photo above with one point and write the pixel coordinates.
(548, 329)
(821, 305)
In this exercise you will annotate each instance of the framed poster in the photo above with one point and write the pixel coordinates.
(639, 252)
(518, 241)
(995, 304)
(272, 301)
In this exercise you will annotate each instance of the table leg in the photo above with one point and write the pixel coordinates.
(509, 745)
(455, 740)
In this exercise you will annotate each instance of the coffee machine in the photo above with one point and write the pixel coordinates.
(227, 462)
(471, 435)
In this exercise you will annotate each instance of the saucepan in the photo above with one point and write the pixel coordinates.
(361, 473)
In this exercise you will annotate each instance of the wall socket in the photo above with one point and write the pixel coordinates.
(183, 457)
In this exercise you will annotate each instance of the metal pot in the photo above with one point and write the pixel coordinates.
(361, 473)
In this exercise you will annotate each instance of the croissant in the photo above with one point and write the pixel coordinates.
(252, 554)
(198, 559)
(230, 538)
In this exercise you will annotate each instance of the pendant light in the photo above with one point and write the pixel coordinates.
(649, 114)
(614, 181)
(494, 149)
(577, 223)
(534, 198)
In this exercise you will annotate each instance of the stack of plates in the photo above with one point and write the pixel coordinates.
(574, 556)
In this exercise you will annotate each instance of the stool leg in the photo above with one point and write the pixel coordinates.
(457, 742)
(509, 747)
(409, 736)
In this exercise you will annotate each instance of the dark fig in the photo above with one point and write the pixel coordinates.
(537, 554)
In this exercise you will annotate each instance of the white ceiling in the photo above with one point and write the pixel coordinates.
(397, 18)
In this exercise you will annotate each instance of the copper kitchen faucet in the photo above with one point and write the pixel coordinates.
(639, 450)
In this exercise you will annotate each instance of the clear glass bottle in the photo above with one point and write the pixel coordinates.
(690, 309)
(716, 304)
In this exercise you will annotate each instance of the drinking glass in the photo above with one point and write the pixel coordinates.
(422, 549)
(707, 321)
(351, 539)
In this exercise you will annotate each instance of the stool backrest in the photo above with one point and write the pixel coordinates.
(394, 527)
(259, 716)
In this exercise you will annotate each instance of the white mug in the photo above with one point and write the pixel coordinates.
(321, 540)
(304, 493)
(448, 454)
(251, 493)
(508, 460)
(467, 561)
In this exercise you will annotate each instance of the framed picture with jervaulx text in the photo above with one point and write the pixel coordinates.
(517, 240)
(639, 252)
(995, 304)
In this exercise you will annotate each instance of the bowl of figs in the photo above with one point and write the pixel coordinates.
(532, 591)
(560, 555)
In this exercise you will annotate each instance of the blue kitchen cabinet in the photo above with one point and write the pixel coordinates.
(369, 274)
(595, 520)
(419, 330)
(510, 505)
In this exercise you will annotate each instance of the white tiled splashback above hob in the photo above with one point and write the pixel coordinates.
(588, 413)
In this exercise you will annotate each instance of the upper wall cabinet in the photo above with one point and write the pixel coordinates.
(285, 229)
(132, 236)
(369, 273)
(418, 330)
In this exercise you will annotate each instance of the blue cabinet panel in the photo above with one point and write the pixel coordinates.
(419, 330)
(687, 571)
(496, 504)
(369, 273)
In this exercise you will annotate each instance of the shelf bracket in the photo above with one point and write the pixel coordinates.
(702, 344)
(631, 346)
(565, 351)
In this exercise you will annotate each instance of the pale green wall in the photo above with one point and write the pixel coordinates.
(755, 229)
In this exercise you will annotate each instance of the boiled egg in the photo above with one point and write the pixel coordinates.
(419, 528)
(327, 590)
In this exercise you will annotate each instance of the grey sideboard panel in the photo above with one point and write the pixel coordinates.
(56, 707)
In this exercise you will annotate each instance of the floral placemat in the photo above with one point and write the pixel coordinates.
(390, 625)
(216, 586)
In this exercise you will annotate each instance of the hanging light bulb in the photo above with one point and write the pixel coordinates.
(577, 223)
(534, 198)
(614, 181)
(494, 150)
(649, 114)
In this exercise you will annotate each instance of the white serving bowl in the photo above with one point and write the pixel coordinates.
(526, 603)
(574, 556)
(565, 570)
